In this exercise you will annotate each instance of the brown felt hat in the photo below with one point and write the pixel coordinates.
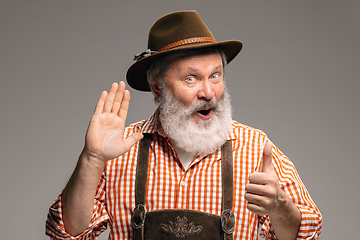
(173, 32)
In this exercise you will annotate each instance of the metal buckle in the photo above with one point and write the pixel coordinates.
(225, 219)
(139, 212)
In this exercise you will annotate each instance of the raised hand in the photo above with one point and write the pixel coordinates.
(104, 138)
(263, 191)
(104, 141)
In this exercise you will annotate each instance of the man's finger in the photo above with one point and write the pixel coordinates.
(267, 159)
(124, 105)
(118, 97)
(100, 104)
(110, 98)
(132, 139)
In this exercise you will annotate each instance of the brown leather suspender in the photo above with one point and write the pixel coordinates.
(139, 214)
(138, 217)
(227, 218)
(141, 169)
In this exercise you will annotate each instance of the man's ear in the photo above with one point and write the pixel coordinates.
(155, 88)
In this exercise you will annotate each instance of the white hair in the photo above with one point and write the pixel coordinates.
(202, 137)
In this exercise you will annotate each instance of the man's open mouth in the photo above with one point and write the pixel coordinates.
(205, 113)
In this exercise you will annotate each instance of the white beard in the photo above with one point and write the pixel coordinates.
(202, 137)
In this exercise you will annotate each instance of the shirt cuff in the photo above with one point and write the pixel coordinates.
(310, 227)
(55, 226)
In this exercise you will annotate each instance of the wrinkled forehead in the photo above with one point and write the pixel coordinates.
(197, 63)
(165, 62)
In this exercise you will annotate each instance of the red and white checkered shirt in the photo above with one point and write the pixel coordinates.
(170, 186)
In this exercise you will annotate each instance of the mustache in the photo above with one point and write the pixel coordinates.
(203, 104)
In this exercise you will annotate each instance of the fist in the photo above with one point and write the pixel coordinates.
(263, 192)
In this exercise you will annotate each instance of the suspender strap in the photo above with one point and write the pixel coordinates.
(227, 175)
(139, 213)
(142, 169)
(227, 217)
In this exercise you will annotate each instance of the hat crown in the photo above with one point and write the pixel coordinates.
(175, 27)
(171, 33)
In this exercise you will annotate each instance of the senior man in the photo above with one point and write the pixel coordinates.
(189, 171)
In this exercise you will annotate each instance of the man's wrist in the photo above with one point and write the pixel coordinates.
(285, 209)
(91, 160)
(286, 219)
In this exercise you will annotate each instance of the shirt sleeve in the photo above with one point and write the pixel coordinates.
(311, 219)
(55, 225)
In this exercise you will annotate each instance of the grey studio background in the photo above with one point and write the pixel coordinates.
(297, 79)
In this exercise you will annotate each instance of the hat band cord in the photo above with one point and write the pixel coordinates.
(148, 52)
(187, 41)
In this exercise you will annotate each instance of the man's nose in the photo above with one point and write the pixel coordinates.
(206, 91)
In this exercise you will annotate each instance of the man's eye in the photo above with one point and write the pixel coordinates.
(214, 76)
(190, 79)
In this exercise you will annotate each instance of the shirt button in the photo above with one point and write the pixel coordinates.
(183, 183)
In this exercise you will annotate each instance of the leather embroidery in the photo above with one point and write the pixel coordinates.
(181, 228)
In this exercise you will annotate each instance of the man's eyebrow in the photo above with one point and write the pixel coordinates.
(218, 67)
(190, 69)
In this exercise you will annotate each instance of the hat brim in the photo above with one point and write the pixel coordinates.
(136, 74)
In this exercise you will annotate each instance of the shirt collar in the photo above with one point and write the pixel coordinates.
(232, 134)
(152, 124)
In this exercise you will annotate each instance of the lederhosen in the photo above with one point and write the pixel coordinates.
(182, 223)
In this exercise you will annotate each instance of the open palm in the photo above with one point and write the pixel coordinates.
(104, 137)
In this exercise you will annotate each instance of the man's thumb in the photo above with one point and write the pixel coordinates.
(267, 159)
